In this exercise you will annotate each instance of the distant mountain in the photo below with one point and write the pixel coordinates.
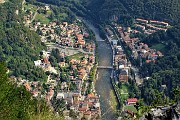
(105, 10)
(168, 10)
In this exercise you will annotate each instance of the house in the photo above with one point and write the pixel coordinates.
(84, 62)
(74, 61)
(142, 20)
(114, 42)
(91, 59)
(62, 64)
(130, 113)
(27, 86)
(159, 23)
(76, 97)
(87, 115)
(82, 76)
(46, 7)
(131, 101)
(140, 27)
(49, 95)
(88, 68)
(123, 76)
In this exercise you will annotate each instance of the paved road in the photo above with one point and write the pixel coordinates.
(137, 77)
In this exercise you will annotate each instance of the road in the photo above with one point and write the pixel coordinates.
(27, 24)
(137, 77)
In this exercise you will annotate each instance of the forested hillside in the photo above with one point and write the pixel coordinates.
(18, 104)
(167, 10)
(73, 6)
(165, 71)
(19, 46)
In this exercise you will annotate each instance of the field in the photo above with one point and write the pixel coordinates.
(31, 7)
(42, 18)
(124, 92)
(77, 56)
(159, 47)
(131, 108)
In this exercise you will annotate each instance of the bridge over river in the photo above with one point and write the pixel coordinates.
(105, 67)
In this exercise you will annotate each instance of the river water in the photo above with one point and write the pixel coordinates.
(103, 84)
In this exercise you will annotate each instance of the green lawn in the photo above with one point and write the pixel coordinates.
(160, 47)
(131, 108)
(77, 56)
(124, 92)
(42, 18)
(31, 7)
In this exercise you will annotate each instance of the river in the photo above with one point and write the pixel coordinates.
(103, 84)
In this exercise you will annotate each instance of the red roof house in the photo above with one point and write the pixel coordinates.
(131, 101)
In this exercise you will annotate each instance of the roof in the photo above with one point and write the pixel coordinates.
(132, 100)
(148, 61)
(82, 109)
(123, 72)
(88, 113)
(90, 95)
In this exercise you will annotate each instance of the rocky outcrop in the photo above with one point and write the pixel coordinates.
(163, 113)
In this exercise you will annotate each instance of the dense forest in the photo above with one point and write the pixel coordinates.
(18, 104)
(165, 71)
(19, 46)
(75, 6)
(166, 10)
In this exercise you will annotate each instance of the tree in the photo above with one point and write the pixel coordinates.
(72, 114)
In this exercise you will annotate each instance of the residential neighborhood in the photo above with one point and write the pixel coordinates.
(70, 64)
(136, 50)
(71, 78)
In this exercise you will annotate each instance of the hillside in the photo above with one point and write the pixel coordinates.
(18, 104)
(150, 9)
(19, 46)
(165, 72)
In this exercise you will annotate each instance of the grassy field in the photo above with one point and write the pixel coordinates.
(77, 56)
(42, 18)
(124, 92)
(31, 7)
(131, 108)
(159, 47)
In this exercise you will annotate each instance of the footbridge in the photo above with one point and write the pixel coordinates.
(100, 40)
(105, 67)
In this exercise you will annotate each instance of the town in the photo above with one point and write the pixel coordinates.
(126, 45)
(69, 62)
(89, 59)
